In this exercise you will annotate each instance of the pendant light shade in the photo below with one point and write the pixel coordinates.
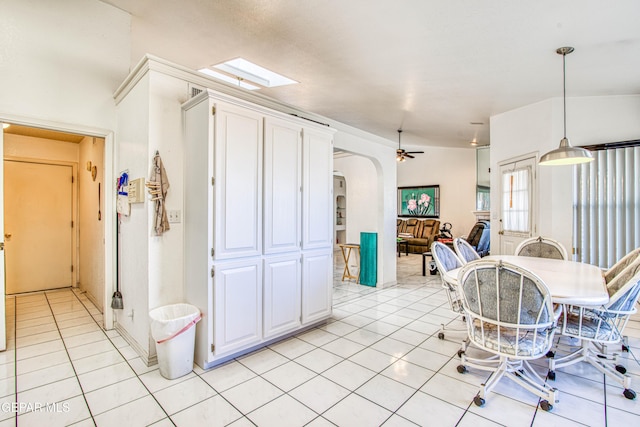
(566, 154)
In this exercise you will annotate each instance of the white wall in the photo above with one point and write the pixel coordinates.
(152, 271)
(61, 61)
(133, 237)
(454, 169)
(538, 128)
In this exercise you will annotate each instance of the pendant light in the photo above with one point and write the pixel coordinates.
(566, 154)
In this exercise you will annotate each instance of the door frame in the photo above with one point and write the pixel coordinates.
(533, 208)
(108, 218)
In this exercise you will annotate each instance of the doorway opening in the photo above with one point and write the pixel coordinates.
(356, 203)
(54, 207)
(518, 183)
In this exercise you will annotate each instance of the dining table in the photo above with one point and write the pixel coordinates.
(569, 282)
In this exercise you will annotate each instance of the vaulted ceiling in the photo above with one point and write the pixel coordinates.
(430, 67)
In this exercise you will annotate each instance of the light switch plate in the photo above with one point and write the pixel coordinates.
(174, 216)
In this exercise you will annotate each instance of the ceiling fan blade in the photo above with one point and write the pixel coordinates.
(415, 152)
(409, 156)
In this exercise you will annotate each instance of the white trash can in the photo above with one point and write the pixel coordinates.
(173, 329)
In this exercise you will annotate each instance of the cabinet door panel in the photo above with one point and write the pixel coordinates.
(282, 176)
(317, 215)
(238, 182)
(237, 314)
(281, 295)
(317, 286)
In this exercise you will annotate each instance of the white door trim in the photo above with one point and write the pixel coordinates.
(109, 202)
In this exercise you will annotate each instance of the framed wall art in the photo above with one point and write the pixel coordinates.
(420, 202)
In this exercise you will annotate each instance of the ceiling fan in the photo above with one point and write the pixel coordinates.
(401, 154)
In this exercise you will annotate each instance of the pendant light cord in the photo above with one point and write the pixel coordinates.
(564, 92)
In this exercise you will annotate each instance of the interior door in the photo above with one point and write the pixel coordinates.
(38, 226)
(3, 331)
(517, 200)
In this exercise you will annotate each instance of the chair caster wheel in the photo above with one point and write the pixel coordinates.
(460, 353)
(478, 401)
(441, 335)
(621, 369)
(550, 354)
(551, 375)
(629, 394)
(625, 348)
(546, 406)
(461, 369)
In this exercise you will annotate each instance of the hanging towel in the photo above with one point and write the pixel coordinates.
(158, 185)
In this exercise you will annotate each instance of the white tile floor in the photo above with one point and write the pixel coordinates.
(377, 362)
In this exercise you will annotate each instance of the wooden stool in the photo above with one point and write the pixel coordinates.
(346, 254)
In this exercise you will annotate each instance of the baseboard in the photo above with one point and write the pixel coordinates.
(144, 355)
(264, 344)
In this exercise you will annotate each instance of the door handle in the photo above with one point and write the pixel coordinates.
(7, 235)
(501, 232)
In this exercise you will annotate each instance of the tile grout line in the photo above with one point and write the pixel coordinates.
(15, 355)
(351, 392)
(290, 360)
(55, 320)
(126, 361)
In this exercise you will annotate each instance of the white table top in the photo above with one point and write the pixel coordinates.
(569, 282)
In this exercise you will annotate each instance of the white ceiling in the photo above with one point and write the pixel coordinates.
(430, 67)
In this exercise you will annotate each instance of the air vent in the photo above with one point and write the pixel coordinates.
(195, 90)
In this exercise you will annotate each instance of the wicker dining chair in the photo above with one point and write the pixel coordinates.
(464, 250)
(597, 328)
(541, 247)
(508, 313)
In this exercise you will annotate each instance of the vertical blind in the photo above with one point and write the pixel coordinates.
(516, 200)
(607, 206)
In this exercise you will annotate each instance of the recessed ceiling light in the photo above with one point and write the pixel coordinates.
(236, 81)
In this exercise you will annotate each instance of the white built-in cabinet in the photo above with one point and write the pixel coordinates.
(317, 269)
(282, 186)
(282, 294)
(258, 224)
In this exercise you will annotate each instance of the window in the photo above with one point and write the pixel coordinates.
(607, 205)
(516, 200)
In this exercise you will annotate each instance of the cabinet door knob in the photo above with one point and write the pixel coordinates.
(7, 235)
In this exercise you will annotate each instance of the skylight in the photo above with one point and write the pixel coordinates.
(240, 70)
(228, 79)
